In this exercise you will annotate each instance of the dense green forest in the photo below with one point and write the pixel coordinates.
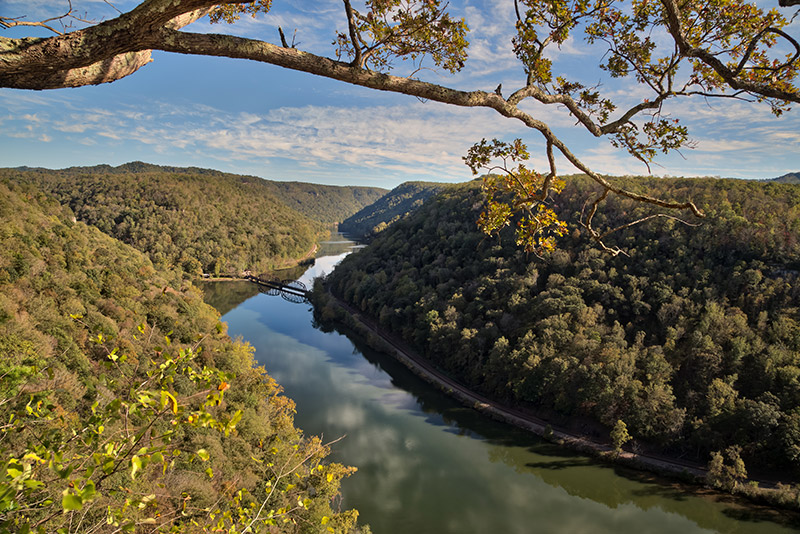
(390, 208)
(693, 341)
(124, 405)
(199, 219)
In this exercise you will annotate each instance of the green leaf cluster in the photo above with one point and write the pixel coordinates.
(408, 30)
(516, 194)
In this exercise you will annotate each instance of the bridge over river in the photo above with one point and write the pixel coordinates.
(291, 290)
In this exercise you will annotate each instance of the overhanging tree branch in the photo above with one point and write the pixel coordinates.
(116, 48)
(83, 57)
(103, 53)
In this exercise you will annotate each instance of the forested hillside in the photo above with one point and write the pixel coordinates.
(125, 407)
(322, 203)
(390, 208)
(693, 341)
(200, 219)
(206, 222)
(325, 203)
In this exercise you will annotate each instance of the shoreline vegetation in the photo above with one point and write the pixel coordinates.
(329, 308)
(303, 260)
(306, 259)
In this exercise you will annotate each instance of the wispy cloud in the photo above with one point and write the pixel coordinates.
(725, 145)
(413, 139)
(409, 140)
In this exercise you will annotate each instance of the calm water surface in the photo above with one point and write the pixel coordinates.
(428, 465)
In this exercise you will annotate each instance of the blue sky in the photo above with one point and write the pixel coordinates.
(252, 118)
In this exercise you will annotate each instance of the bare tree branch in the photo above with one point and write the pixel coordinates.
(11, 22)
(643, 219)
(551, 160)
(283, 38)
(754, 42)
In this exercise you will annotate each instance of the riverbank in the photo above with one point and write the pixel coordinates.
(306, 259)
(761, 491)
(288, 264)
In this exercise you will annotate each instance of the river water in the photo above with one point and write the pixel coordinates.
(426, 464)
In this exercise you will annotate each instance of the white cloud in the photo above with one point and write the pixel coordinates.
(570, 47)
(71, 128)
(86, 141)
(111, 135)
(19, 134)
(411, 140)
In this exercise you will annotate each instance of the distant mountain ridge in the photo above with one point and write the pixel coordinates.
(327, 204)
(132, 167)
(396, 204)
(789, 178)
(201, 219)
(219, 225)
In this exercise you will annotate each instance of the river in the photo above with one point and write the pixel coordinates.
(426, 464)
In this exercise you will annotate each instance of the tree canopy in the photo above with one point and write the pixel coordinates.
(730, 49)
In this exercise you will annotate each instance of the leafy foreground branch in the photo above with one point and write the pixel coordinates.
(109, 469)
(729, 49)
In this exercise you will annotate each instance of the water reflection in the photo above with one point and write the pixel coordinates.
(615, 487)
(429, 465)
(226, 295)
